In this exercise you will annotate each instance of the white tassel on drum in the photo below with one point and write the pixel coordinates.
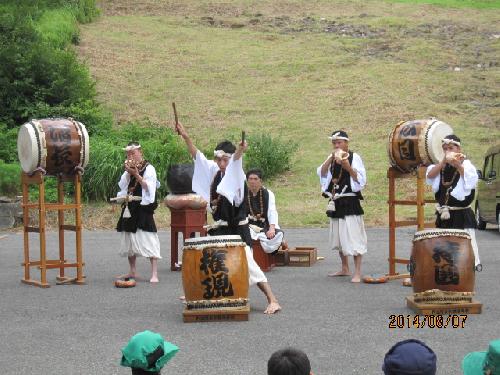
(126, 212)
(331, 206)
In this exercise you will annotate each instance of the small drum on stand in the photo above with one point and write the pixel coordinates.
(54, 146)
(442, 269)
(215, 279)
(417, 142)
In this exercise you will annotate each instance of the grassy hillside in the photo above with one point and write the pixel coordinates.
(301, 69)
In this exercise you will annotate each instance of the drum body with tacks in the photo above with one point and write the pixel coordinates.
(442, 259)
(417, 142)
(215, 272)
(55, 146)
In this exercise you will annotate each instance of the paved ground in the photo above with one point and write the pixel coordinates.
(342, 327)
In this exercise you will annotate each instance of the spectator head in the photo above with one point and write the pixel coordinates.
(147, 353)
(289, 361)
(410, 357)
(483, 363)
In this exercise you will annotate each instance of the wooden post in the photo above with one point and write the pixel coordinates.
(41, 226)
(26, 220)
(60, 219)
(392, 222)
(78, 230)
(421, 197)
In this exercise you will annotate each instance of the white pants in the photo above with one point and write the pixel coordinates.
(348, 235)
(255, 274)
(141, 243)
(472, 234)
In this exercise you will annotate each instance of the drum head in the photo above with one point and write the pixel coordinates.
(436, 132)
(28, 149)
(85, 152)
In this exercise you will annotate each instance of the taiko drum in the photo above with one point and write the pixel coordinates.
(55, 145)
(442, 259)
(214, 268)
(417, 142)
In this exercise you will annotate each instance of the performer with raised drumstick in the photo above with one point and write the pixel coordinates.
(222, 183)
(453, 182)
(342, 177)
(139, 236)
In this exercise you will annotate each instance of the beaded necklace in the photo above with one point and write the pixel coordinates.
(448, 185)
(335, 180)
(261, 205)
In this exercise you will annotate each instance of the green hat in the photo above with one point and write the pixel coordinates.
(148, 351)
(479, 363)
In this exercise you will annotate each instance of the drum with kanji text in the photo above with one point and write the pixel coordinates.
(54, 146)
(417, 142)
(442, 259)
(215, 273)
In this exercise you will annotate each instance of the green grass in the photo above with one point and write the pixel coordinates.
(486, 4)
(58, 27)
(272, 68)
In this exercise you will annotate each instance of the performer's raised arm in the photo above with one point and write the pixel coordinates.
(189, 143)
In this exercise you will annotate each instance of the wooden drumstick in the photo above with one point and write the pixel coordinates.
(176, 117)
(243, 137)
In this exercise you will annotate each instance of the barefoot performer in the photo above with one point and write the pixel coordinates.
(222, 183)
(342, 177)
(136, 223)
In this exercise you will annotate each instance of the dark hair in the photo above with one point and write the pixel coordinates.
(133, 143)
(288, 361)
(226, 146)
(254, 171)
(151, 358)
(453, 137)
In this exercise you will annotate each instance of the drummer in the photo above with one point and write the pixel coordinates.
(453, 182)
(222, 183)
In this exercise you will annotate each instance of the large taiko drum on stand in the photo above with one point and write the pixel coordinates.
(215, 273)
(55, 146)
(417, 142)
(442, 259)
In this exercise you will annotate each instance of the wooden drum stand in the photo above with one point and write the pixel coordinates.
(43, 263)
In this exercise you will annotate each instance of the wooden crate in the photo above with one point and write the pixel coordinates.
(473, 307)
(214, 315)
(302, 256)
(281, 258)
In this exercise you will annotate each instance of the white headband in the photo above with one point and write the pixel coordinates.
(131, 148)
(336, 136)
(221, 153)
(447, 141)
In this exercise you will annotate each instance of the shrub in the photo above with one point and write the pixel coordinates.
(272, 155)
(10, 179)
(8, 144)
(161, 148)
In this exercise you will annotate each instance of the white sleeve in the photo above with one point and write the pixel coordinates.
(232, 185)
(324, 180)
(434, 182)
(148, 195)
(203, 175)
(272, 213)
(357, 165)
(466, 183)
(123, 184)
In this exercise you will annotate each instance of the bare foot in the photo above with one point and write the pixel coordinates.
(340, 273)
(272, 308)
(154, 279)
(182, 298)
(356, 279)
(284, 245)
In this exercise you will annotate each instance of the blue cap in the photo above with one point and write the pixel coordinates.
(410, 357)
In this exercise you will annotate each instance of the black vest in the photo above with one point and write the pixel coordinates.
(141, 216)
(347, 205)
(222, 209)
(254, 201)
(459, 219)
